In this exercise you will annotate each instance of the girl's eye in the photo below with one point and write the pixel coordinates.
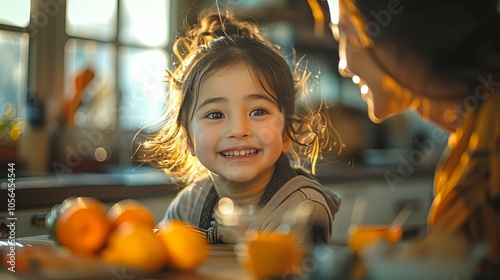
(215, 115)
(258, 112)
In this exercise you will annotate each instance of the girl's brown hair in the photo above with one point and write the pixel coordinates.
(215, 43)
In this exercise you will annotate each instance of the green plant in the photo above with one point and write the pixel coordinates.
(10, 126)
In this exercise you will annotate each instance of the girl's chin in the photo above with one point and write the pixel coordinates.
(236, 180)
(234, 175)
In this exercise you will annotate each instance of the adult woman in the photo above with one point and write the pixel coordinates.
(441, 58)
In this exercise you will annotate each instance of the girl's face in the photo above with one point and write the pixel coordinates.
(383, 95)
(237, 131)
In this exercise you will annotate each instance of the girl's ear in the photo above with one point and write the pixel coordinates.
(190, 146)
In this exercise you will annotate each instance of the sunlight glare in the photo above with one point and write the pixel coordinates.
(333, 5)
(364, 89)
(226, 206)
(342, 64)
(145, 22)
(84, 19)
(16, 13)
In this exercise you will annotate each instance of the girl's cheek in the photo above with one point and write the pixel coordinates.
(274, 129)
(266, 135)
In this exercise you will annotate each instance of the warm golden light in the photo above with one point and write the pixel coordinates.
(226, 206)
(100, 154)
(356, 79)
(342, 64)
(333, 5)
(364, 89)
(319, 17)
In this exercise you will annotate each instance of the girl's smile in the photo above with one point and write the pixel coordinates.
(239, 153)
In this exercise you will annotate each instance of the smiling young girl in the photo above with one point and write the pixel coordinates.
(233, 130)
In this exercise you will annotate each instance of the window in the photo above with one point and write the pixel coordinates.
(90, 101)
(141, 74)
(13, 54)
(122, 41)
(15, 13)
(84, 20)
(115, 59)
(70, 70)
(13, 67)
(144, 22)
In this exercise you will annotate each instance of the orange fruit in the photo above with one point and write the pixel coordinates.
(361, 236)
(136, 246)
(82, 225)
(130, 210)
(186, 250)
(272, 254)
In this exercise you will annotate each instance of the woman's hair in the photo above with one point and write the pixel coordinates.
(214, 43)
(442, 46)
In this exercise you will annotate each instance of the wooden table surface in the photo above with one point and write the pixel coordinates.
(221, 264)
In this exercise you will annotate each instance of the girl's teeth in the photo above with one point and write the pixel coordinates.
(239, 153)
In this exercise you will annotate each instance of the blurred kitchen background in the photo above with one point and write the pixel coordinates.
(79, 78)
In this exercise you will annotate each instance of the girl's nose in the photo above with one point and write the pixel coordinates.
(238, 127)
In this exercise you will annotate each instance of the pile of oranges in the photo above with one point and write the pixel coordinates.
(124, 234)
